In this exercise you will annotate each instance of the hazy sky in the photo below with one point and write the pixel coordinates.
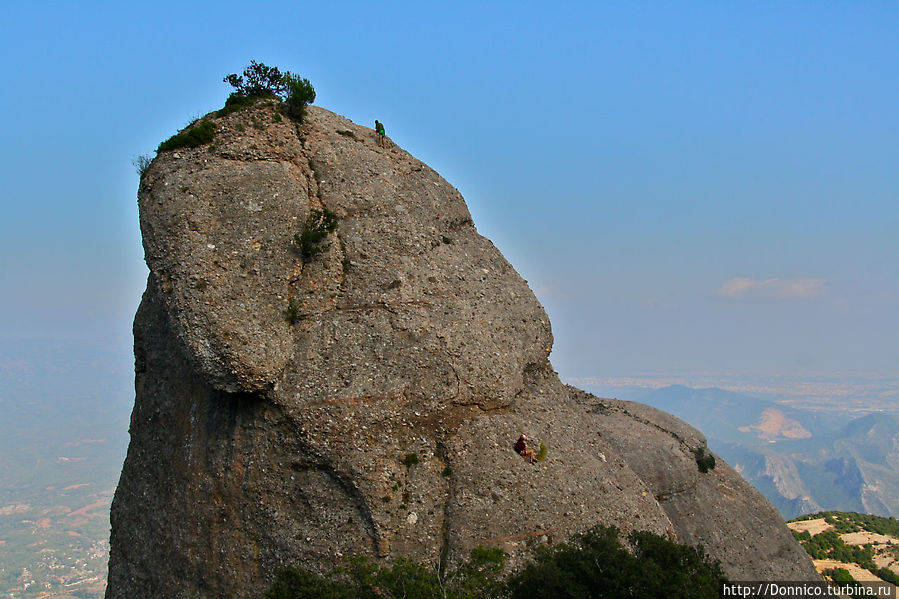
(687, 186)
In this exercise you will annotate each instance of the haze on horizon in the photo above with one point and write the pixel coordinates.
(699, 187)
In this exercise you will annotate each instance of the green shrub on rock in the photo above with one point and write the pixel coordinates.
(292, 314)
(258, 80)
(194, 135)
(299, 93)
(596, 565)
(705, 460)
(142, 163)
(309, 241)
(592, 565)
(360, 578)
(262, 81)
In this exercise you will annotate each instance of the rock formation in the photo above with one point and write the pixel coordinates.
(382, 420)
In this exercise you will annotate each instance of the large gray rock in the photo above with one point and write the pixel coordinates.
(256, 442)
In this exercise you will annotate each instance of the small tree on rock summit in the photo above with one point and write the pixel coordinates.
(260, 81)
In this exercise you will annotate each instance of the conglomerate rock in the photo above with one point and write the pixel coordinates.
(381, 421)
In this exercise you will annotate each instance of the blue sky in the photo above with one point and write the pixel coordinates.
(688, 187)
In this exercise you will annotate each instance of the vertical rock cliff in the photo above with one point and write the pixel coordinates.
(381, 421)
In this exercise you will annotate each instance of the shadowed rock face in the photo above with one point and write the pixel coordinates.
(256, 442)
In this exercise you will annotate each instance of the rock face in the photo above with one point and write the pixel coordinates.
(382, 421)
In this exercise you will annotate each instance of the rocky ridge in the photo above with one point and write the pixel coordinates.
(380, 422)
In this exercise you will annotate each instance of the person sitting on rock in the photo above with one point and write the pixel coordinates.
(522, 449)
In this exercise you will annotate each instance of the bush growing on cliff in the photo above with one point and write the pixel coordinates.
(142, 163)
(262, 81)
(360, 578)
(705, 461)
(309, 241)
(300, 93)
(194, 135)
(596, 565)
(258, 80)
(592, 565)
(292, 314)
(541, 454)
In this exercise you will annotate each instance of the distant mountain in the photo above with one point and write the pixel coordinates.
(801, 460)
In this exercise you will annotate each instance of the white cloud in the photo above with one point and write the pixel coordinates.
(547, 291)
(771, 289)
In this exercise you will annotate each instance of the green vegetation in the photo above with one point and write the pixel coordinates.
(346, 133)
(705, 460)
(801, 536)
(888, 575)
(409, 460)
(262, 81)
(593, 565)
(844, 522)
(194, 135)
(258, 81)
(829, 545)
(541, 454)
(142, 163)
(360, 578)
(299, 93)
(235, 103)
(309, 241)
(292, 314)
(840, 575)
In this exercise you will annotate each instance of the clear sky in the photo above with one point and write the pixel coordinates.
(687, 186)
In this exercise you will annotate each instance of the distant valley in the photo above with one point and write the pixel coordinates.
(802, 459)
(63, 437)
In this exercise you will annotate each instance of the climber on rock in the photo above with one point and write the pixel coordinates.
(522, 449)
(379, 129)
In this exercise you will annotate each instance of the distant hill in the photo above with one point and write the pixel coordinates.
(865, 547)
(802, 460)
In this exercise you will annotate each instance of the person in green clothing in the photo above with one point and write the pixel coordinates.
(379, 128)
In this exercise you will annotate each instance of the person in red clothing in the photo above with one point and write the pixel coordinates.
(522, 449)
